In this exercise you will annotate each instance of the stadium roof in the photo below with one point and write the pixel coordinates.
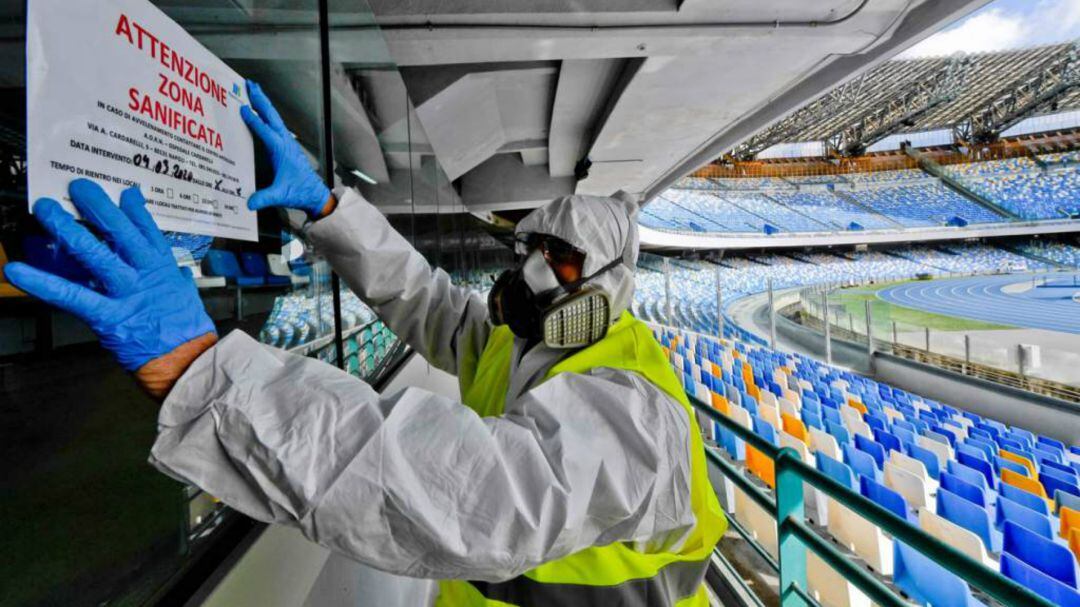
(956, 87)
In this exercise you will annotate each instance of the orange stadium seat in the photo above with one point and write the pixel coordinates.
(795, 427)
(861, 408)
(1074, 543)
(761, 466)
(1019, 459)
(720, 404)
(1070, 521)
(1030, 485)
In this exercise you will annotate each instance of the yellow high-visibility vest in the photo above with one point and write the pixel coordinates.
(616, 574)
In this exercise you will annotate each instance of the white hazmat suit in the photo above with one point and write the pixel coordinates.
(416, 484)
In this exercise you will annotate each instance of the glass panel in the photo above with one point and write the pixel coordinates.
(372, 153)
(86, 520)
(382, 150)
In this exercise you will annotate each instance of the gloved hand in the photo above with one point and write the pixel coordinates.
(296, 185)
(145, 306)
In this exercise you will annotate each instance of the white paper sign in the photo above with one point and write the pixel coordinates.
(119, 93)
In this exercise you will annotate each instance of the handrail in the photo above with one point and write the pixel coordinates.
(794, 537)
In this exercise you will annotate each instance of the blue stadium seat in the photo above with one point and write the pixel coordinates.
(902, 423)
(223, 263)
(861, 462)
(1011, 444)
(964, 489)
(888, 440)
(875, 423)
(927, 457)
(765, 430)
(1053, 482)
(1050, 442)
(928, 583)
(1053, 454)
(1043, 585)
(979, 464)
(836, 470)
(874, 449)
(1035, 550)
(988, 448)
(812, 419)
(1025, 498)
(905, 436)
(884, 497)
(951, 506)
(254, 264)
(968, 474)
(1064, 500)
(973, 451)
(831, 415)
(948, 434)
(1009, 510)
(838, 431)
(1024, 437)
(1004, 464)
(1067, 471)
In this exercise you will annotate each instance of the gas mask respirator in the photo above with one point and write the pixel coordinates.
(537, 307)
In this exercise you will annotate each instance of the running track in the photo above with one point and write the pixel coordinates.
(981, 298)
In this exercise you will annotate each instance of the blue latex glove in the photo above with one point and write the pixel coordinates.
(145, 306)
(296, 185)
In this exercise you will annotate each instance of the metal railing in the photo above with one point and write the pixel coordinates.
(795, 536)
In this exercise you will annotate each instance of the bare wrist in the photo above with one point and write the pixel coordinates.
(158, 376)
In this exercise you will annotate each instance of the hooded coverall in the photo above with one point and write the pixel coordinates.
(416, 484)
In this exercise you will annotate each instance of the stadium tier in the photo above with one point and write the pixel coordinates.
(866, 201)
(1021, 186)
(693, 283)
(1004, 496)
(1066, 255)
(982, 76)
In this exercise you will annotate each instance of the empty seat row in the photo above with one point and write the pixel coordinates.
(1003, 495)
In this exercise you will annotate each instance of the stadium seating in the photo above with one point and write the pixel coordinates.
(223, 263)
(874, 200)
(1046, 586)
(184, 259)
(1064, 254)
(938, 481)
(254, 264)
(693, 282)
(927, 582)
(1020, 186)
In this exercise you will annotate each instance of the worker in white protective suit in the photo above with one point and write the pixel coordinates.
(570, 472)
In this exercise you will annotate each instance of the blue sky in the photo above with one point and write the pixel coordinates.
(1005, 24)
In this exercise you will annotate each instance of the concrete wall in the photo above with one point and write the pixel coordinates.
(1055, 418)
